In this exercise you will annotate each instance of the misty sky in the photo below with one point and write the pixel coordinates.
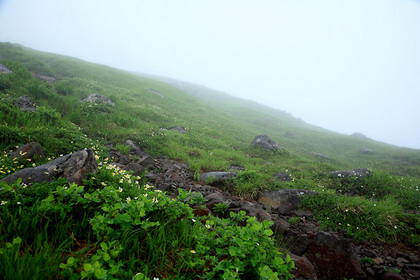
(348, 66)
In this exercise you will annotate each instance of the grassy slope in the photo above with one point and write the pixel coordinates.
(219, 130)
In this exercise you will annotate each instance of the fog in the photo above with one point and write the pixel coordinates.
(348, 66)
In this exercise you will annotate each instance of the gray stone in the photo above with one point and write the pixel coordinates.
(94, 97)
(216, 177)
(25, 103)
(282, 176)
(304, 269)
(283, 201)
(319, 155)
(73, 166)
(265, 142)
(290, 134)
(358, 172)
(366, 151)
(179, 129)
(135, 148)
(358, 135)
(4, 69)
(155, 92)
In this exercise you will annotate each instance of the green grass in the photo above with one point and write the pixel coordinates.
(219, 130)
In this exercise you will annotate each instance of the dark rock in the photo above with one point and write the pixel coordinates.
(136, 168)
(94, 97)
(25, 103)
(282, 176)
(401, 262)
(280, 226)
(328, 252)
(4, 69)
(236, 168)
(73, 166)
(252, 210)
(135, 148)
(214, 178)
(179, 129)
(265, 142)
(366, 151)
(30, 151)
(118, 157)
(304, 269)
(391, 276)
(283, 201)
(358, 172)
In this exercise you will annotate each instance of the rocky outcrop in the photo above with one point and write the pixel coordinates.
(44, 78)
(73, 166)
(265, 142)
(179, 129)
(94, 97)
(4, 69)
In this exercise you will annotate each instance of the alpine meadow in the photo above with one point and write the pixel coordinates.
(179, 183)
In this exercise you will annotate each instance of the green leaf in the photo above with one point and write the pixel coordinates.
(233, 251)
(70, 260)
(87, 267)
(100, 273)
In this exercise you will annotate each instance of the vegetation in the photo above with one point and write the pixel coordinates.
(114, 226)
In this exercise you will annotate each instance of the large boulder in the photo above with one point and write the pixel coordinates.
(265, 142)
(283, 202)
(73, 166)
(334, 257)
(94, 97)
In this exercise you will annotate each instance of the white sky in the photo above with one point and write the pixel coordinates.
(348, 66)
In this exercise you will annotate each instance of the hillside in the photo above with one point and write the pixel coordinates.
(213, 132)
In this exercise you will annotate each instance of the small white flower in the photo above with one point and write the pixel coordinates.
(3, 202)
(120, 189)
(128, 199)
(207, 226)
(19, 202)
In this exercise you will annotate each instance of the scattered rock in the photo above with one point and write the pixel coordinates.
(30, 151)
(179, 129)
(282, 176)
(44, 78)
(214, 178)
(290, 134)
(94, 97)
(358, 135)
(265, 142)
(135, 148)
(283, 202)
(304, 268)
(155, 92)
(391, 276)
(319, 155)
(358, 172)
(25, 103)
(252, 210)
(4, 69)
(366, 151)
(73, 166)
(162, 131)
